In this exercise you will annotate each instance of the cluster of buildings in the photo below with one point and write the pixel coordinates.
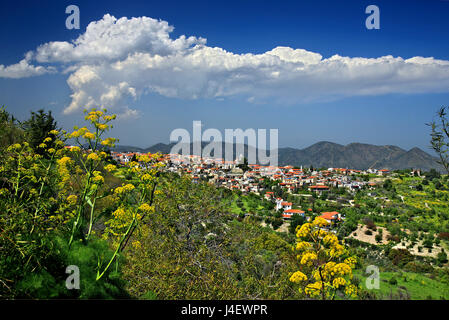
(229, 174)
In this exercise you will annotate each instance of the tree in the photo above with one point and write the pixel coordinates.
(378, 237)
(276, 223)
(442, 257)
(432, 174)
(388, 185)
(10, 133)
(244, 166)
(297, 220)
(37, 130)
(440, 136)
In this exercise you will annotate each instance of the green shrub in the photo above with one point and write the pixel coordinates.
(276, 223)
(418, 267)
(378, 237)
(393, 281)
(49, 282)
(442, 257)
(400, 257)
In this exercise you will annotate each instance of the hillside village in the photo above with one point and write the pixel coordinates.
(230, 175)
(265, 183)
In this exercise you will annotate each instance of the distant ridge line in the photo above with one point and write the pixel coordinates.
(328, 154)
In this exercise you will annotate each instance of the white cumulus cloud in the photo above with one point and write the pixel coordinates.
(111, 38)
(23, 69)
(116, 61)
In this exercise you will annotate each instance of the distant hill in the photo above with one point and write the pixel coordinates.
(357, 156)
(123, 148)
(333, 155)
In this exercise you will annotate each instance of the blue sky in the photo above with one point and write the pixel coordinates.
(371, 103)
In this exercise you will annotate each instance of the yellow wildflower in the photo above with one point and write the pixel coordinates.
(342, 269)
(314, 289)
(308, 258)
(102, 126)
(93, 156)
(146, 208)
(110, 117)
(320, 222)
(72, 199)
(144, 158)
(108, 142)
(119, 213)
(331, 240)
(338, 282)
(304, 231)
(351, 262)
(302, 245)
(64, 161)
(136, 244)
(298, 277)
(128, 187)
(98, 179)
(110, 167)
(89, 136)
(351, 290)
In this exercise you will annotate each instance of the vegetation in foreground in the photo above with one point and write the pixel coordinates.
(139, 232)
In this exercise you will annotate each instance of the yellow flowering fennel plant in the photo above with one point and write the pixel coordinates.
(132, 201)
(32, 174)
(91, 161)
(323, 271)
(30, 201)
(54, 190)
(135, 202)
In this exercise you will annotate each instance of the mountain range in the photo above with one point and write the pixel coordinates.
(331, 155)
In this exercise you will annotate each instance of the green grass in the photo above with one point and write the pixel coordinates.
(418, 286)
(246, 204)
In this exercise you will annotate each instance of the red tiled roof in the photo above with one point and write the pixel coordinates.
(293, 211)
(329, 215)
